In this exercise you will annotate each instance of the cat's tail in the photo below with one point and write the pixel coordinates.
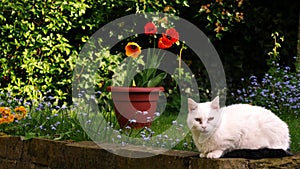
(257, 154)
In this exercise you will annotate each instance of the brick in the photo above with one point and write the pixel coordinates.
(14, 148)
(3, 144)
(7, 164)
(44, 152)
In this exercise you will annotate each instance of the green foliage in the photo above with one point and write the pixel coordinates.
(172, 7)
(40, 41)
(140, 73)
(36, 53)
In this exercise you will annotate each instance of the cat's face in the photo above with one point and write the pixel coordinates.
(201, 115)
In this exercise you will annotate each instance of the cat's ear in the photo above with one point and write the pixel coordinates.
(192, 104)
(215, 103)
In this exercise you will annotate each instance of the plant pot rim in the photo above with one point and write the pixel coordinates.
(134, 89)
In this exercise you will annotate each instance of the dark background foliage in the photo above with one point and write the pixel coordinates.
(40, 40)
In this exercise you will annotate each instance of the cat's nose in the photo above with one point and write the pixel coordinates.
(204, 127)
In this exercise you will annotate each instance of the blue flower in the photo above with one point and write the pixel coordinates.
(253, 77)
(98, 92)
(51, 97)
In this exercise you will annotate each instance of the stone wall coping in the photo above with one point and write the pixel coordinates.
(36, 153)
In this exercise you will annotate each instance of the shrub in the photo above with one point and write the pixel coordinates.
(41, 40)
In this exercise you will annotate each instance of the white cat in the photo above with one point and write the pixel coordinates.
(218, 130)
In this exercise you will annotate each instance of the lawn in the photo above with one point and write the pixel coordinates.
(294, 127)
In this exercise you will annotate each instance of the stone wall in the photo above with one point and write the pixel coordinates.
(47, 154)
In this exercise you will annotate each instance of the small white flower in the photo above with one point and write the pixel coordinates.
(93, 97)
(132, 121)
(123, 143)
(139, 112)
(146, 138)
(157, 114)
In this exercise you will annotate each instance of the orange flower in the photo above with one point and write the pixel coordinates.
(132, 49)
(150, 28)
(20, 112)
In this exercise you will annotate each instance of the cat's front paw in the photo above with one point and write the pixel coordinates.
(202, 155)
(215, 154)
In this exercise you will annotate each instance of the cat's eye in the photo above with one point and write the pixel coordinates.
(211, 118)
(199, 120)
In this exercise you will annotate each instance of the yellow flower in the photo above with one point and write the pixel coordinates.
(2, 120)
(20, 112)
(10, 118)
(132, 49)
(7, 119)
(5, 111)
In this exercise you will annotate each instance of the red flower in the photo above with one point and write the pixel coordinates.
(164, 42)
(150, 28)
(172, 34)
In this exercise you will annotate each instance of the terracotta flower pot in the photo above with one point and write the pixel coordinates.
(135, 106)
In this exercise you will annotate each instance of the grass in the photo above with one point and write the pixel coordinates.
(294, 126)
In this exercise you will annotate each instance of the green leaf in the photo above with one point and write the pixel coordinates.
(156, 80)
(138, 78)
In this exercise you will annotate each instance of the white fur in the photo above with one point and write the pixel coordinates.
(241, 126)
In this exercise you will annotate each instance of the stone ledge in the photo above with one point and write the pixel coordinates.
(42, 154)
